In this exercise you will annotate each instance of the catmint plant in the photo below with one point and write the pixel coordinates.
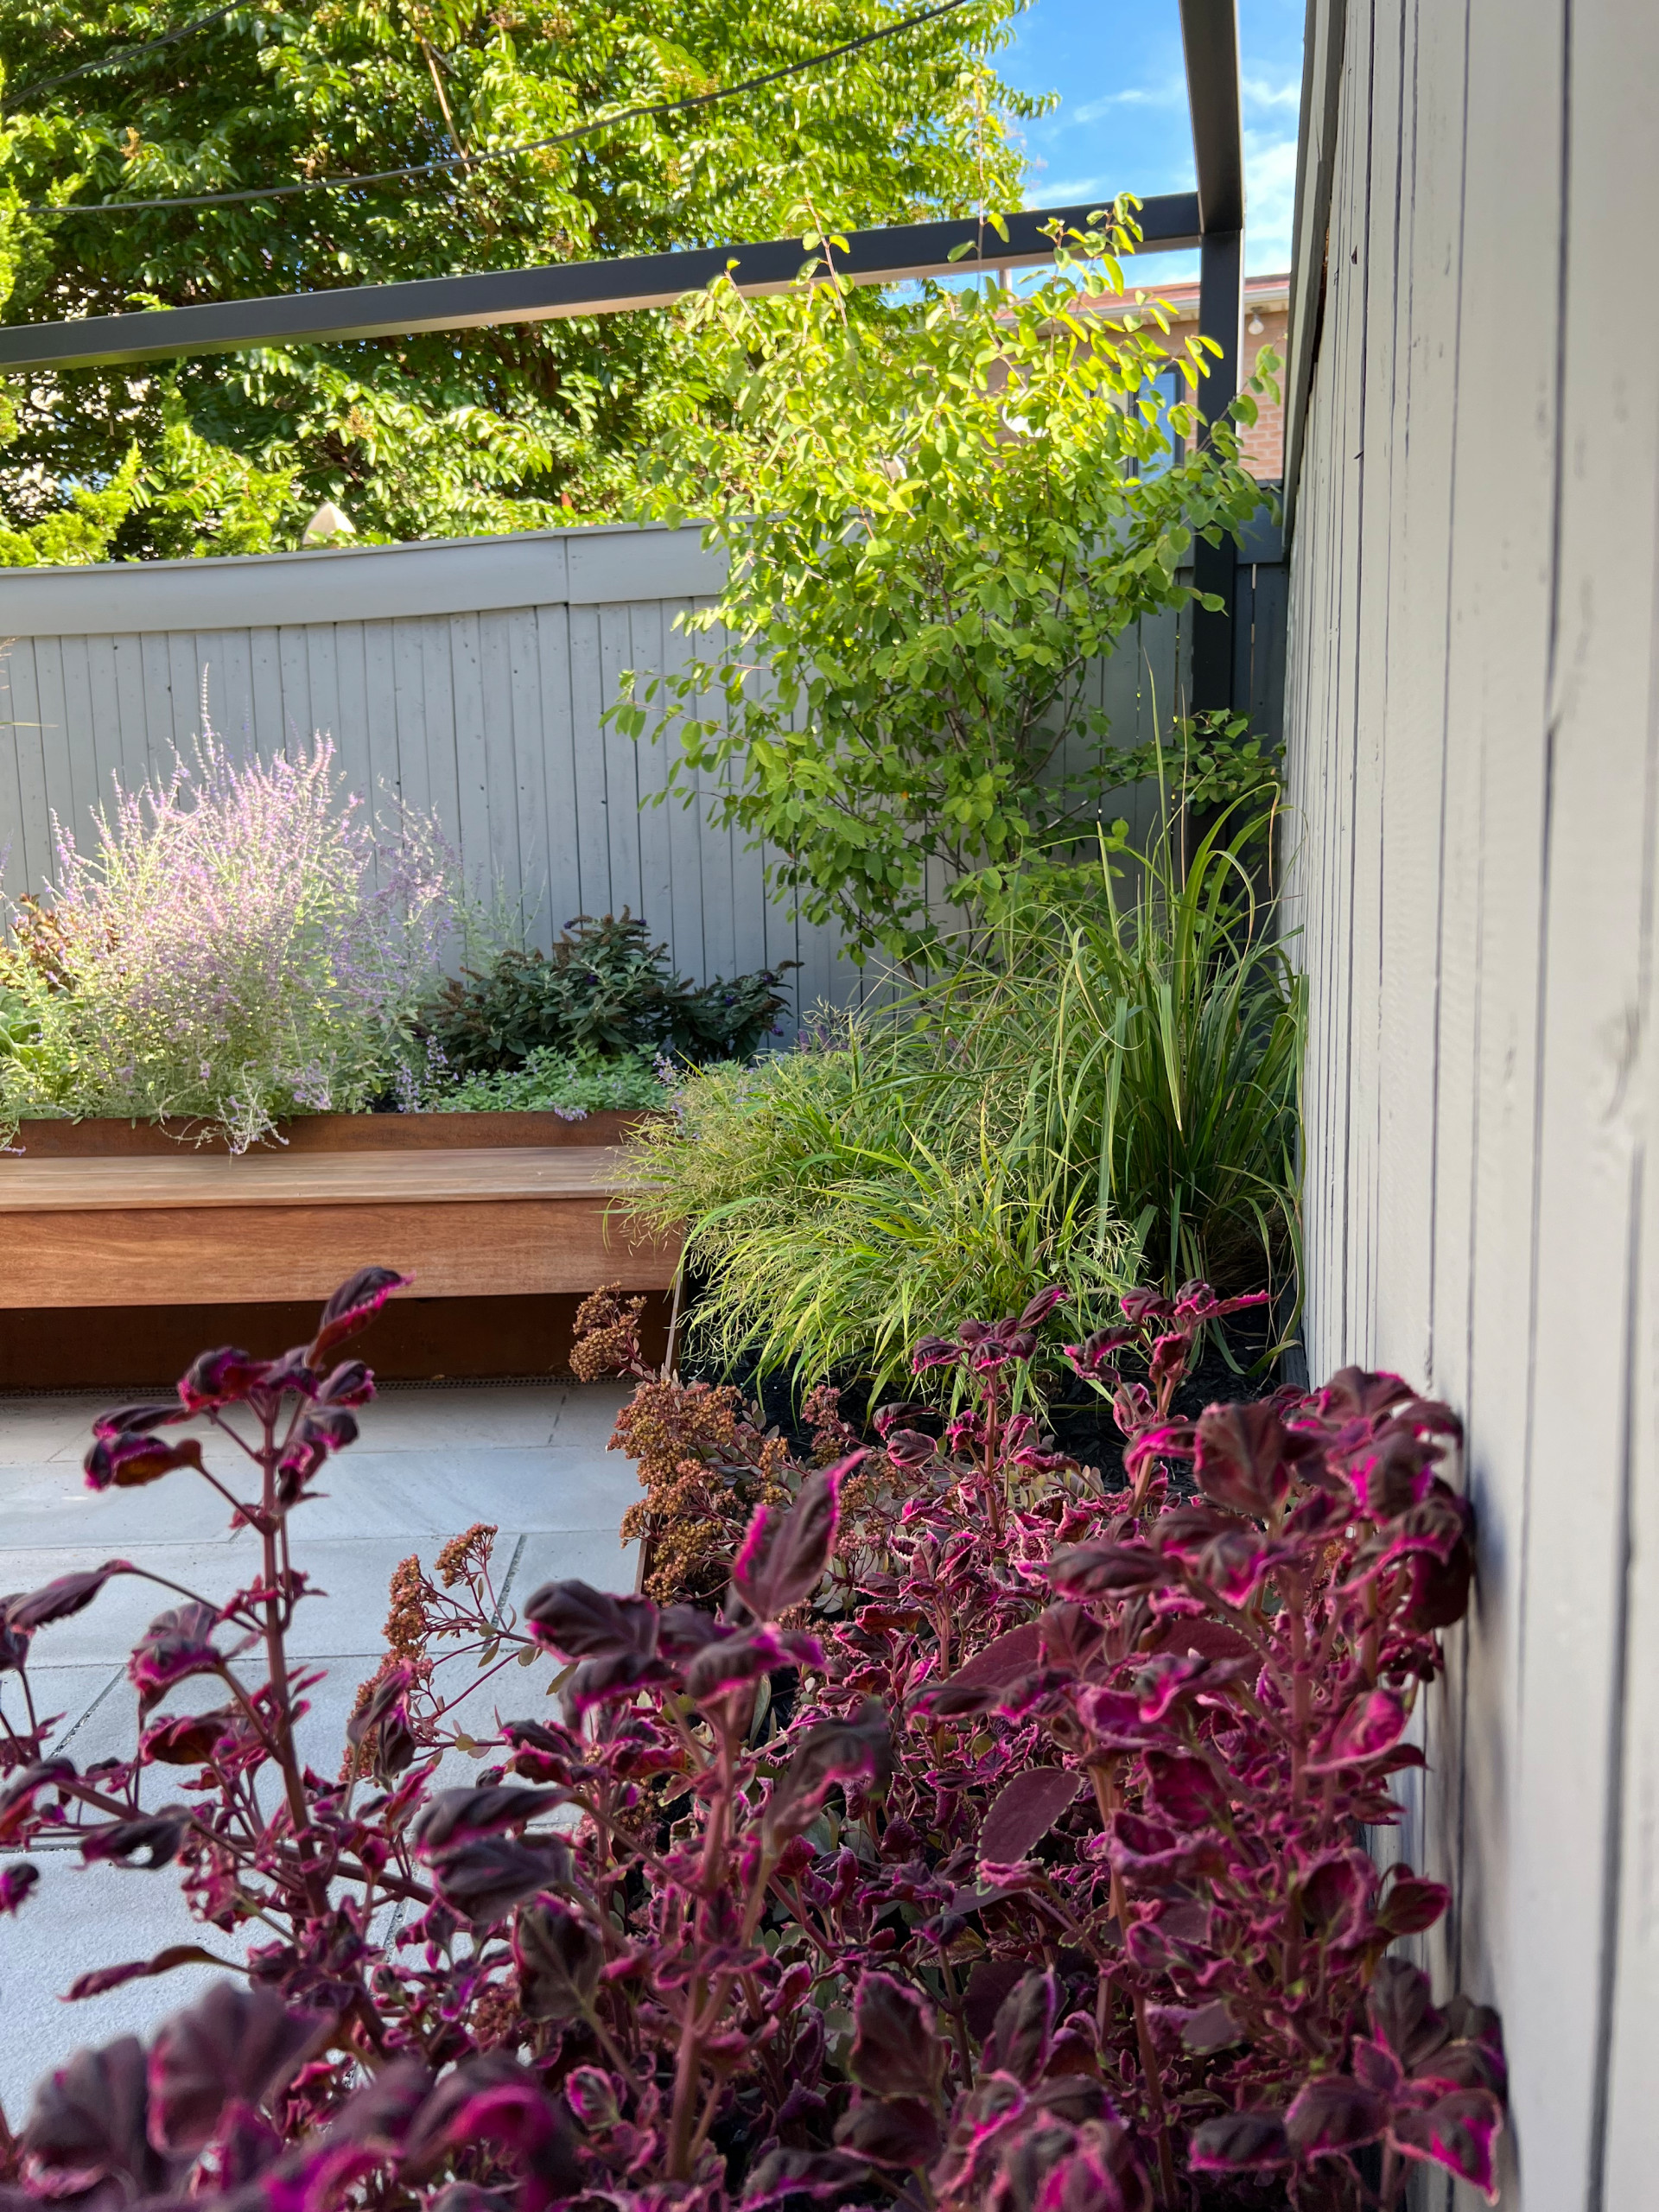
(238, 943)
(983, 1838)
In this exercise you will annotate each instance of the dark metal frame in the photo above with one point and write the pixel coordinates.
(1212, 218)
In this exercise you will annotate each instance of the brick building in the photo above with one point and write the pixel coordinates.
(1267, 304)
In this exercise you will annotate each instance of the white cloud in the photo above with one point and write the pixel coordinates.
(1259, 93)
(1170, 95)
(1270, 199)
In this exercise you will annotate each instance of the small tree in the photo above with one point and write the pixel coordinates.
(938, 516)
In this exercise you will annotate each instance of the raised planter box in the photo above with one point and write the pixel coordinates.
(513, 1216)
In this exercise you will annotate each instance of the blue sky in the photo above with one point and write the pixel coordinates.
(1123, 122)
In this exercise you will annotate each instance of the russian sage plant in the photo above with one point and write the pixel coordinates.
(991, 1844)
(238, 943)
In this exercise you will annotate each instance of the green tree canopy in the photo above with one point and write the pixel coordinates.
(450, 433)
(937, 515)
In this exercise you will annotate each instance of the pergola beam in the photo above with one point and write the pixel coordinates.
(562, 290)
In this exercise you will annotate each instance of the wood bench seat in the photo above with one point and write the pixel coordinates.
(203, 1228)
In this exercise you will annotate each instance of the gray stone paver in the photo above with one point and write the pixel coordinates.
(429, 1464)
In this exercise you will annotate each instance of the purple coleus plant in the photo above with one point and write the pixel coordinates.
(995, 1845)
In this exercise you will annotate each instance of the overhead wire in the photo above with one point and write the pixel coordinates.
(116, 55)
(468, 161)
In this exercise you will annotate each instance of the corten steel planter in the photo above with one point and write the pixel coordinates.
(503, 1220)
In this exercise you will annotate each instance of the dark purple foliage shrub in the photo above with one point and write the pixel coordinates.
(995, 1847)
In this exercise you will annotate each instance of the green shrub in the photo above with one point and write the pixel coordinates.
(605, 989)
(939, 517)
(574, 1084)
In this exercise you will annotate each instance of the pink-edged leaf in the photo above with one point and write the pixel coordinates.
(351, 1383)
(1372, 1725)
(1183, 1791)
(1105, 1570)
(176, 1954)
(896, 2048)
(783, 1557)
(579, 1622)
(135, 1421)
(482, 1881)
(231, 2045)
(176, 1643)
(128, 1462)
(1024, 1811)
(1144, 1851)
(1247, 1458)
(858, 1749)
(184, 1738)
(351, 1308)
(1403, 2014)
(221, 1378)
(87, 2127)
(1459, 2132)
(1240, 2143)
(899, 2132)
(15, 1884)
(1411, 1904)
(454, 1816)
(1353, 1392)
(56, 1601)
(734, 1663)
(1022, 2035)
(974, 1687)
(559, 1959)
(1334, 2113)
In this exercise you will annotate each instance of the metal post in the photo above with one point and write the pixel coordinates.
(1209, 36)
(1215, 568)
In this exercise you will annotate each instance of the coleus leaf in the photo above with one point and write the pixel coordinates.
(1183, 1791)
(351, 1309)
(830, 1752)
(896, 2050)
(184, 1738)
(127, 1462)
(974, 1687)
(106, 1978)
(1372, 1725)
(221, 1378)
(1024, 1811)
(456, 1816)
(87, 2125)
(483, 1881)
(579, 1622)
(1459, 2132)
(1411, 1904)
(1023, 2033)
(1334, 2113)
(559, 1957)
(1240, 2143)
(784, 1553)
(177, 1643)
(900, 2132)
(56, 1601)
(231, 2044)
(1247, 1458)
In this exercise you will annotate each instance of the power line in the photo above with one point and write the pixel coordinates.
(120, 53)
(504, 153)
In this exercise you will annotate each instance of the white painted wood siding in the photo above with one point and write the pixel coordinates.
(1472, 715)
(468, 677)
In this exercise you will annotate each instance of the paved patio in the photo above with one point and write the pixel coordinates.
(429, 1463)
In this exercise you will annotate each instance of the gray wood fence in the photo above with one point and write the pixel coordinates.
(1473, 729)
(468, 677)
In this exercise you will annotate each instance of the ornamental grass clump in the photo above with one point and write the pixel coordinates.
(989, 1842)
(240, 943)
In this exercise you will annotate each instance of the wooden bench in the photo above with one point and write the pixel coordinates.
(199, 1228)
